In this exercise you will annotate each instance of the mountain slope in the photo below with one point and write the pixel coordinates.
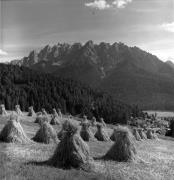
(137, 86)
(170, 63)
(128, 73)
(20, 85)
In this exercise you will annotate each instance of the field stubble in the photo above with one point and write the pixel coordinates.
(155, 160)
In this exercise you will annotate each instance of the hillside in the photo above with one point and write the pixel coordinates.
(170, 63)
(20, 85)
(129, 73)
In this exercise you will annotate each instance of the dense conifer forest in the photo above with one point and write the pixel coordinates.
(20, 85)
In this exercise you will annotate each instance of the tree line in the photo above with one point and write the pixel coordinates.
(20, 85)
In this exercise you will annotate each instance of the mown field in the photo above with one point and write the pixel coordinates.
(161, 113)
(155, 160)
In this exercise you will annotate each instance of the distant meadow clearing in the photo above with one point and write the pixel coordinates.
(161, 113)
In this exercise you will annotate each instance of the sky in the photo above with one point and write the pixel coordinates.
(31, 24)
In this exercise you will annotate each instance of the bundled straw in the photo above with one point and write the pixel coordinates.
(13, 132)
(72, 151)
(55, 118)
(86, 133)
(136, 134)
(60, 114)
(142, 134)
(41, 119)
(123, 148)
(55, 121)
(44, 113)
(31, 112)
(3, 112)
(84, 120)
(18, 110)
(55, 113)
(93, 121)
(150, 134)
(101, 135)
(46, 134)
(63, 130)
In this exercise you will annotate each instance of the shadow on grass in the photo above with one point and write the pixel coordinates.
(41, 163)
(99, 158)
(85, 167)
(167, 138)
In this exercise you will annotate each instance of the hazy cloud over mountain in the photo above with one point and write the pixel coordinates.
(98, 4)
(3, 53)
(168, 27)
(105, 4)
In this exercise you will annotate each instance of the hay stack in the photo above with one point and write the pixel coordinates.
(93, 121)
(112, 137)
(123, 148)
(38, 118)
(63, 130)
(46, 134)
(31, 112)
(3, 112)
(72, 151)
(136, 134)
(55, 120)
(13, 132)
(60, 114)
(41, 119)
(102, 122)
(150, 134)
(55, 112)
(154, 134)
(44, 113)
(86, 133)
(84, 120)
(101, 135)
(18, 110)
(142, 134)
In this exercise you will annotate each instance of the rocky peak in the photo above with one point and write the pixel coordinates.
(43, 54)
(55, 51)
(104, 46)
(32, 58)
(76, 46)
(89, 44)
(89, 53)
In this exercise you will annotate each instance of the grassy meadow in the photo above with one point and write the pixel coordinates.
(161, 113)
(155, 160)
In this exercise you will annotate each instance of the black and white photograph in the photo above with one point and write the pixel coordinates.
(86, 89)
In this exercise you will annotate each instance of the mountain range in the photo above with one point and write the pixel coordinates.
(129, 73)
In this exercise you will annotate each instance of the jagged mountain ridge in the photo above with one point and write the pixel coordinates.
(129, 73)
(104, 55)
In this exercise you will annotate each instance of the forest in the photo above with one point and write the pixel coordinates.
(20, 85)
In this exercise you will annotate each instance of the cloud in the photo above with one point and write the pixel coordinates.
(3, 53)
(121, 3)
(168, 27)
(98, 4)
(106, 4)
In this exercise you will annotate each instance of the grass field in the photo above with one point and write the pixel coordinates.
(155, 160)
(161, 113)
